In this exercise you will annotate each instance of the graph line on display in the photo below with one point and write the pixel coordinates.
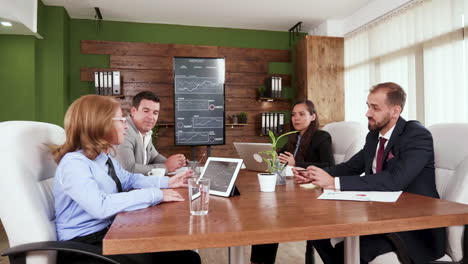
(193, 137)
(198, 85)
(207, 122)
(193, 105)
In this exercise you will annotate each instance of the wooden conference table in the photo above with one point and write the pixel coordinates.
(291, 213)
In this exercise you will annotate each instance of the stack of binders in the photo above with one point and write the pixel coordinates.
(273, 87)
(273, 122)
(107, 83)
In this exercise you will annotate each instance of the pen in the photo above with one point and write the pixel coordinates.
(286, 164)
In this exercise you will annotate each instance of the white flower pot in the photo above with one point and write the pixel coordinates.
(267, 182)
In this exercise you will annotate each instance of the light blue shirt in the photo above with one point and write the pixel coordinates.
(86, 197)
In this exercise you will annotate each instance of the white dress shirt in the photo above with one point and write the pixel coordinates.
(374, 162)
(145, 139)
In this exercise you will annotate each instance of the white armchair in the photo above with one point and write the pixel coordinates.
(26, 199)
(451, 170)
(347, 139)
(451, 162)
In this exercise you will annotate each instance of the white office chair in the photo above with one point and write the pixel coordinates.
(26, 199)
(347, 139)
(451, 170)
(451, 162)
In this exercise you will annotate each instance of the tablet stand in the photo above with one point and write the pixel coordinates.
(234, 191)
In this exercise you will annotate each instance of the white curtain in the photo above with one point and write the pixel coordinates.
(423, 48)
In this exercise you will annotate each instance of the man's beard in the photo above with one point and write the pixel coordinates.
(377, 126)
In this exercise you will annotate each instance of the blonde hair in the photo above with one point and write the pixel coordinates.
(88, 124)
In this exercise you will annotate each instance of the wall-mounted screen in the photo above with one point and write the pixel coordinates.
(199, 101)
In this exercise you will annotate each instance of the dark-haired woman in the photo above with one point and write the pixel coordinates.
(311, 146)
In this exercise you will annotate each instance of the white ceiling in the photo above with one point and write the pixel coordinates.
(246, 14)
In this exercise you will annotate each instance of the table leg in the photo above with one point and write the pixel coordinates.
(351, 250)
(236, 255)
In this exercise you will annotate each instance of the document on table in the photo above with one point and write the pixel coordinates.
(389, 197)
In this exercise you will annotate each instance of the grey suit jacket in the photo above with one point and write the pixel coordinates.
(130, 152)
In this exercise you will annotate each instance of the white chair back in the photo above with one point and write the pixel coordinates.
(451, 163)
(26, 199)
(347, 139)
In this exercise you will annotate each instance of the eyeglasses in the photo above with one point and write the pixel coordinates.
(121, 119)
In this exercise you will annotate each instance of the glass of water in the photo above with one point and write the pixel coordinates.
(195, 167)
(199, 196)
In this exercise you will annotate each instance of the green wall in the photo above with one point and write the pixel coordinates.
(34, 72)
(52, 65)
(39, 78)
(17, 78)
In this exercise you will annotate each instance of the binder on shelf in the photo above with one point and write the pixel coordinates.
(116, 83)
(272, 122)
(263, 123)
(273, 85)
(104, 82)
(101, 83)
(109, 83)
(275, 123)
(281, 123)
(267, 125)
(96, 82)
(280, 89)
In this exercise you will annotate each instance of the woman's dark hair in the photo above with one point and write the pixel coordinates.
(307, 137)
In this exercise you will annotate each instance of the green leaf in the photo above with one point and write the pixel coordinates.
(272, 137)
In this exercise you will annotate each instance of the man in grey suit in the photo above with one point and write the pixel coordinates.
(137, 154)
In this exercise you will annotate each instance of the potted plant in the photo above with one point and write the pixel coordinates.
(271, 158)
(261, 91)
(243, 117)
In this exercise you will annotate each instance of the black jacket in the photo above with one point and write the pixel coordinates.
(319, 152)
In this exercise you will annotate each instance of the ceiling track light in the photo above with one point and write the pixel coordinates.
(294, 32)
(98, 13)
(97, 18)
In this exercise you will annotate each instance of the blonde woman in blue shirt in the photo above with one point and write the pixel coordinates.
(90, 186)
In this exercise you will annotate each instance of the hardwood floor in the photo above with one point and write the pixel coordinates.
(290, 253)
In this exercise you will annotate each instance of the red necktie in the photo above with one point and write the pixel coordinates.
(380, 154)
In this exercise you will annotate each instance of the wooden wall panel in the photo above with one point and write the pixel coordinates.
(124, 48)
(149, 66)
(325, 85)
(320, 75)
(141, 62)
(245, 104)
(145, 76)
(160, 89)
(255, 54)
(253, 78)
(246, 66)
(194, 51)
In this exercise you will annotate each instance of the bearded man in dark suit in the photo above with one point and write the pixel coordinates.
(398, 156)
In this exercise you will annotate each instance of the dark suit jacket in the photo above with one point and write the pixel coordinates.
(408, 166)
(319, 152)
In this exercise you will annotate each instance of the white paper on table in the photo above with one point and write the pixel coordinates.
(309, 186)
(388, 197)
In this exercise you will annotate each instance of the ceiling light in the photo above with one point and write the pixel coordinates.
(6, 24)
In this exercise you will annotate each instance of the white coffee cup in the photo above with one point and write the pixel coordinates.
(157, 172)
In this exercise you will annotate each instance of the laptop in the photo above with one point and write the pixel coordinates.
(249, 153)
